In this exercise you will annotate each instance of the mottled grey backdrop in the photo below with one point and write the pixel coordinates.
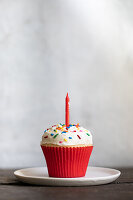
(49, 47)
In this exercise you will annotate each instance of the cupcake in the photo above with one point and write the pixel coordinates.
(67, 148)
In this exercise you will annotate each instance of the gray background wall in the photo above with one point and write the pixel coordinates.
(50, 47)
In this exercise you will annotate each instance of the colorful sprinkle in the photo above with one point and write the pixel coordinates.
(81, 131)
(74, 131)
(70, 125)
(77, 125)
(52, 134)
(65, 140)
(46, 137)
(45, 131)
(63, 131)
(79, 137)
(60, 141)
(70, 137)
(88, 134)
(55, 130)
(55, 135)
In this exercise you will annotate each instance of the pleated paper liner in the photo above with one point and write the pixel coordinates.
(67, 162)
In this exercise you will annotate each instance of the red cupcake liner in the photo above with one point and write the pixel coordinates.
(67, 162)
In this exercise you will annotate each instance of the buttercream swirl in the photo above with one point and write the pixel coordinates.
(66, 136)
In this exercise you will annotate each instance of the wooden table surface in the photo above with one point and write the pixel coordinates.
(12, 189)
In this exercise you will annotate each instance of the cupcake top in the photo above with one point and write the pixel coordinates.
(67, 136)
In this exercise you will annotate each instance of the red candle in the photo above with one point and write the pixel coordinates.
(67, 111)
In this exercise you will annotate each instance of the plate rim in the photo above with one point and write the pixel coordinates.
(118, 173)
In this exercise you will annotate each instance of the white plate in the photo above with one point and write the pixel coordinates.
(94, 176)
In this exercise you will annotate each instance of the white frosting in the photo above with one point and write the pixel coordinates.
(74, 135)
